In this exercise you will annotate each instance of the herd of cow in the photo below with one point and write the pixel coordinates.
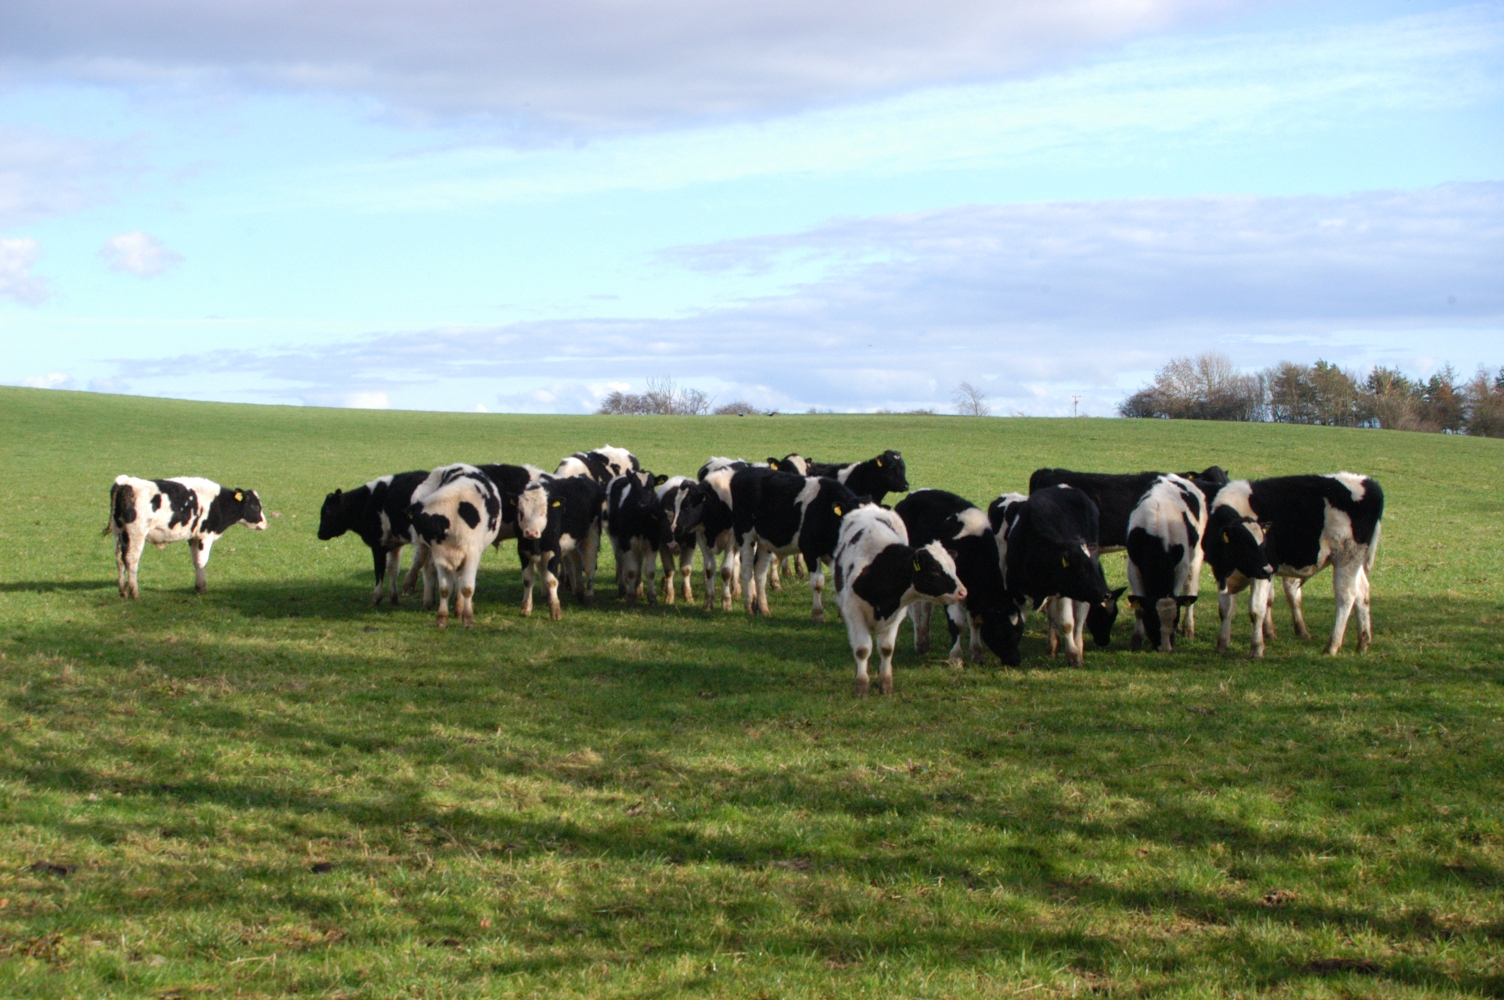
(747, 520)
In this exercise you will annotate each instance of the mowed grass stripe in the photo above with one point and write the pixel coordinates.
(253, 795)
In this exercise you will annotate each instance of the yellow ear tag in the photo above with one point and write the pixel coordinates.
(879, 463)
(837, 510)
(558, 503)
(1065, 562)
(773, 466)
(1226, 538)
(239, 495)
(916, 566)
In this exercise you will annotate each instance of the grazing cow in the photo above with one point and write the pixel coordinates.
(875, 478)
(1164, 558)
(558, 520)
(963, 530)
(792, 462)
(1116, 495)
(877, 575)
(456, 521)
(1046, 546)
(603, 464)
(638, 527)
(508, 480)
(377, 512)
(683, 503)
(1295, 526)
(716, 535)
(174, 510)
(780, 513)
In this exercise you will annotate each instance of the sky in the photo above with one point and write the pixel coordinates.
(479, 205)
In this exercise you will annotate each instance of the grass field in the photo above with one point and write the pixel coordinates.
(272, 790)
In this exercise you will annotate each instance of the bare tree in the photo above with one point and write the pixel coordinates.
(971, 401)
(663, 398)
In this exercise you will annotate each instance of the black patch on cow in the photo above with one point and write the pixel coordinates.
(578, 508)
(1293, 508)
(633, 511)
(735, 465)
(883, 582)
(1117, 494)
(469, 514)
(123, 504)
(931, 578)
(432, 528)
(510, 481)
(1156, 564)
(156, 502)
(184, 502)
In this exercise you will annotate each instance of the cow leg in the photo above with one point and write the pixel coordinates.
(1188, 623)
(1140, 634)
(975, 645)
(775, 577)
(1079, 611)
(1294, 590)
(1260, 595)
(1346, 582)
(529, 572)
(590, 553)
(887, 638)
(430, 584)
(1227, 606)
(465, 602)
(135, 546)
(817, 588)
(1168, 611)
(735, 557)
(420, 560)
(686, 573)
(669, 583)
(446, 585)
(551, 581)
(761, 563)
(955, 617)
(861, 651)
(627, 575)
(748, 565)
(379, 559)
(919, 617)
(199, 549)
(649, 568)
(1052, 615)
(394, 572)
(801, 568)
(707, 566)
(1365, 616)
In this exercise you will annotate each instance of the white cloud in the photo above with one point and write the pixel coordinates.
(17, 283)
(52, 380)
(1039, 301)
(43, 174)
(575, 65)
(139, 254)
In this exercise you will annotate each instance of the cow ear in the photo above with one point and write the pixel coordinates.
(338, 493)
(1186, 600)
(1118, 593)
(660, 479)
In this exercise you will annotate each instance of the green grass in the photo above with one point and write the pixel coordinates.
(271, 790)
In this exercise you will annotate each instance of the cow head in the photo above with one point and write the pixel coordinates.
(1101, 617)
(1235, 543)
(893, 474)
(685, 506)
(532, 510)
(334, 517)
(251, 514)
(935, 575)
(1001, 629)
(1075, 571)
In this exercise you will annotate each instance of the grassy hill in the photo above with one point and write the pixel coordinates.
(271, 790)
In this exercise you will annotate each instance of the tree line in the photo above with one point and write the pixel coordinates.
(1210, 387)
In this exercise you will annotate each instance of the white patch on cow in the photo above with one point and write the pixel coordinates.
(1352, 481)
(973, 522)
(720, 481)
(532, 510)
(571, 466)
(619, 459)
(1235, 495)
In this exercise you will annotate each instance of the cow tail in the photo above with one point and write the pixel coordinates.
(122, 499)
(1373, 548)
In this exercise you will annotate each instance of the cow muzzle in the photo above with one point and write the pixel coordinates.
(673, 546)
(260, 525)
(531, 533)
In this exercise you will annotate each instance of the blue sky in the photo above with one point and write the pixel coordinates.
(799, 205)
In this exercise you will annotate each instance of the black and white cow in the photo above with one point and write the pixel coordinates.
(558, 520)
(1295, 526)
(603, 464)
(1164, 558)
(716, 536)
(377, 512)
(457, 520)
(780, 513)
(1047, 549)
(963, 530)
(1116, 495)
(878, 574)
(508, 480)
(683, 503)
(638, 528)
(184, 508)
(875, 478)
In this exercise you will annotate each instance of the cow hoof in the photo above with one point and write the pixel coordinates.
(862, 688)
(527, 612)
(555, 612)
(885, 685)
(1363, 642)
(922, 645)
(1222, 645)
(443, 623)
(818, 616)
(1333, 649)
(467, 622)
(1303, 633)
(956, 661)
(1136, 643)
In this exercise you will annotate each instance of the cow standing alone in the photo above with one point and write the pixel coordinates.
(173, 510)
